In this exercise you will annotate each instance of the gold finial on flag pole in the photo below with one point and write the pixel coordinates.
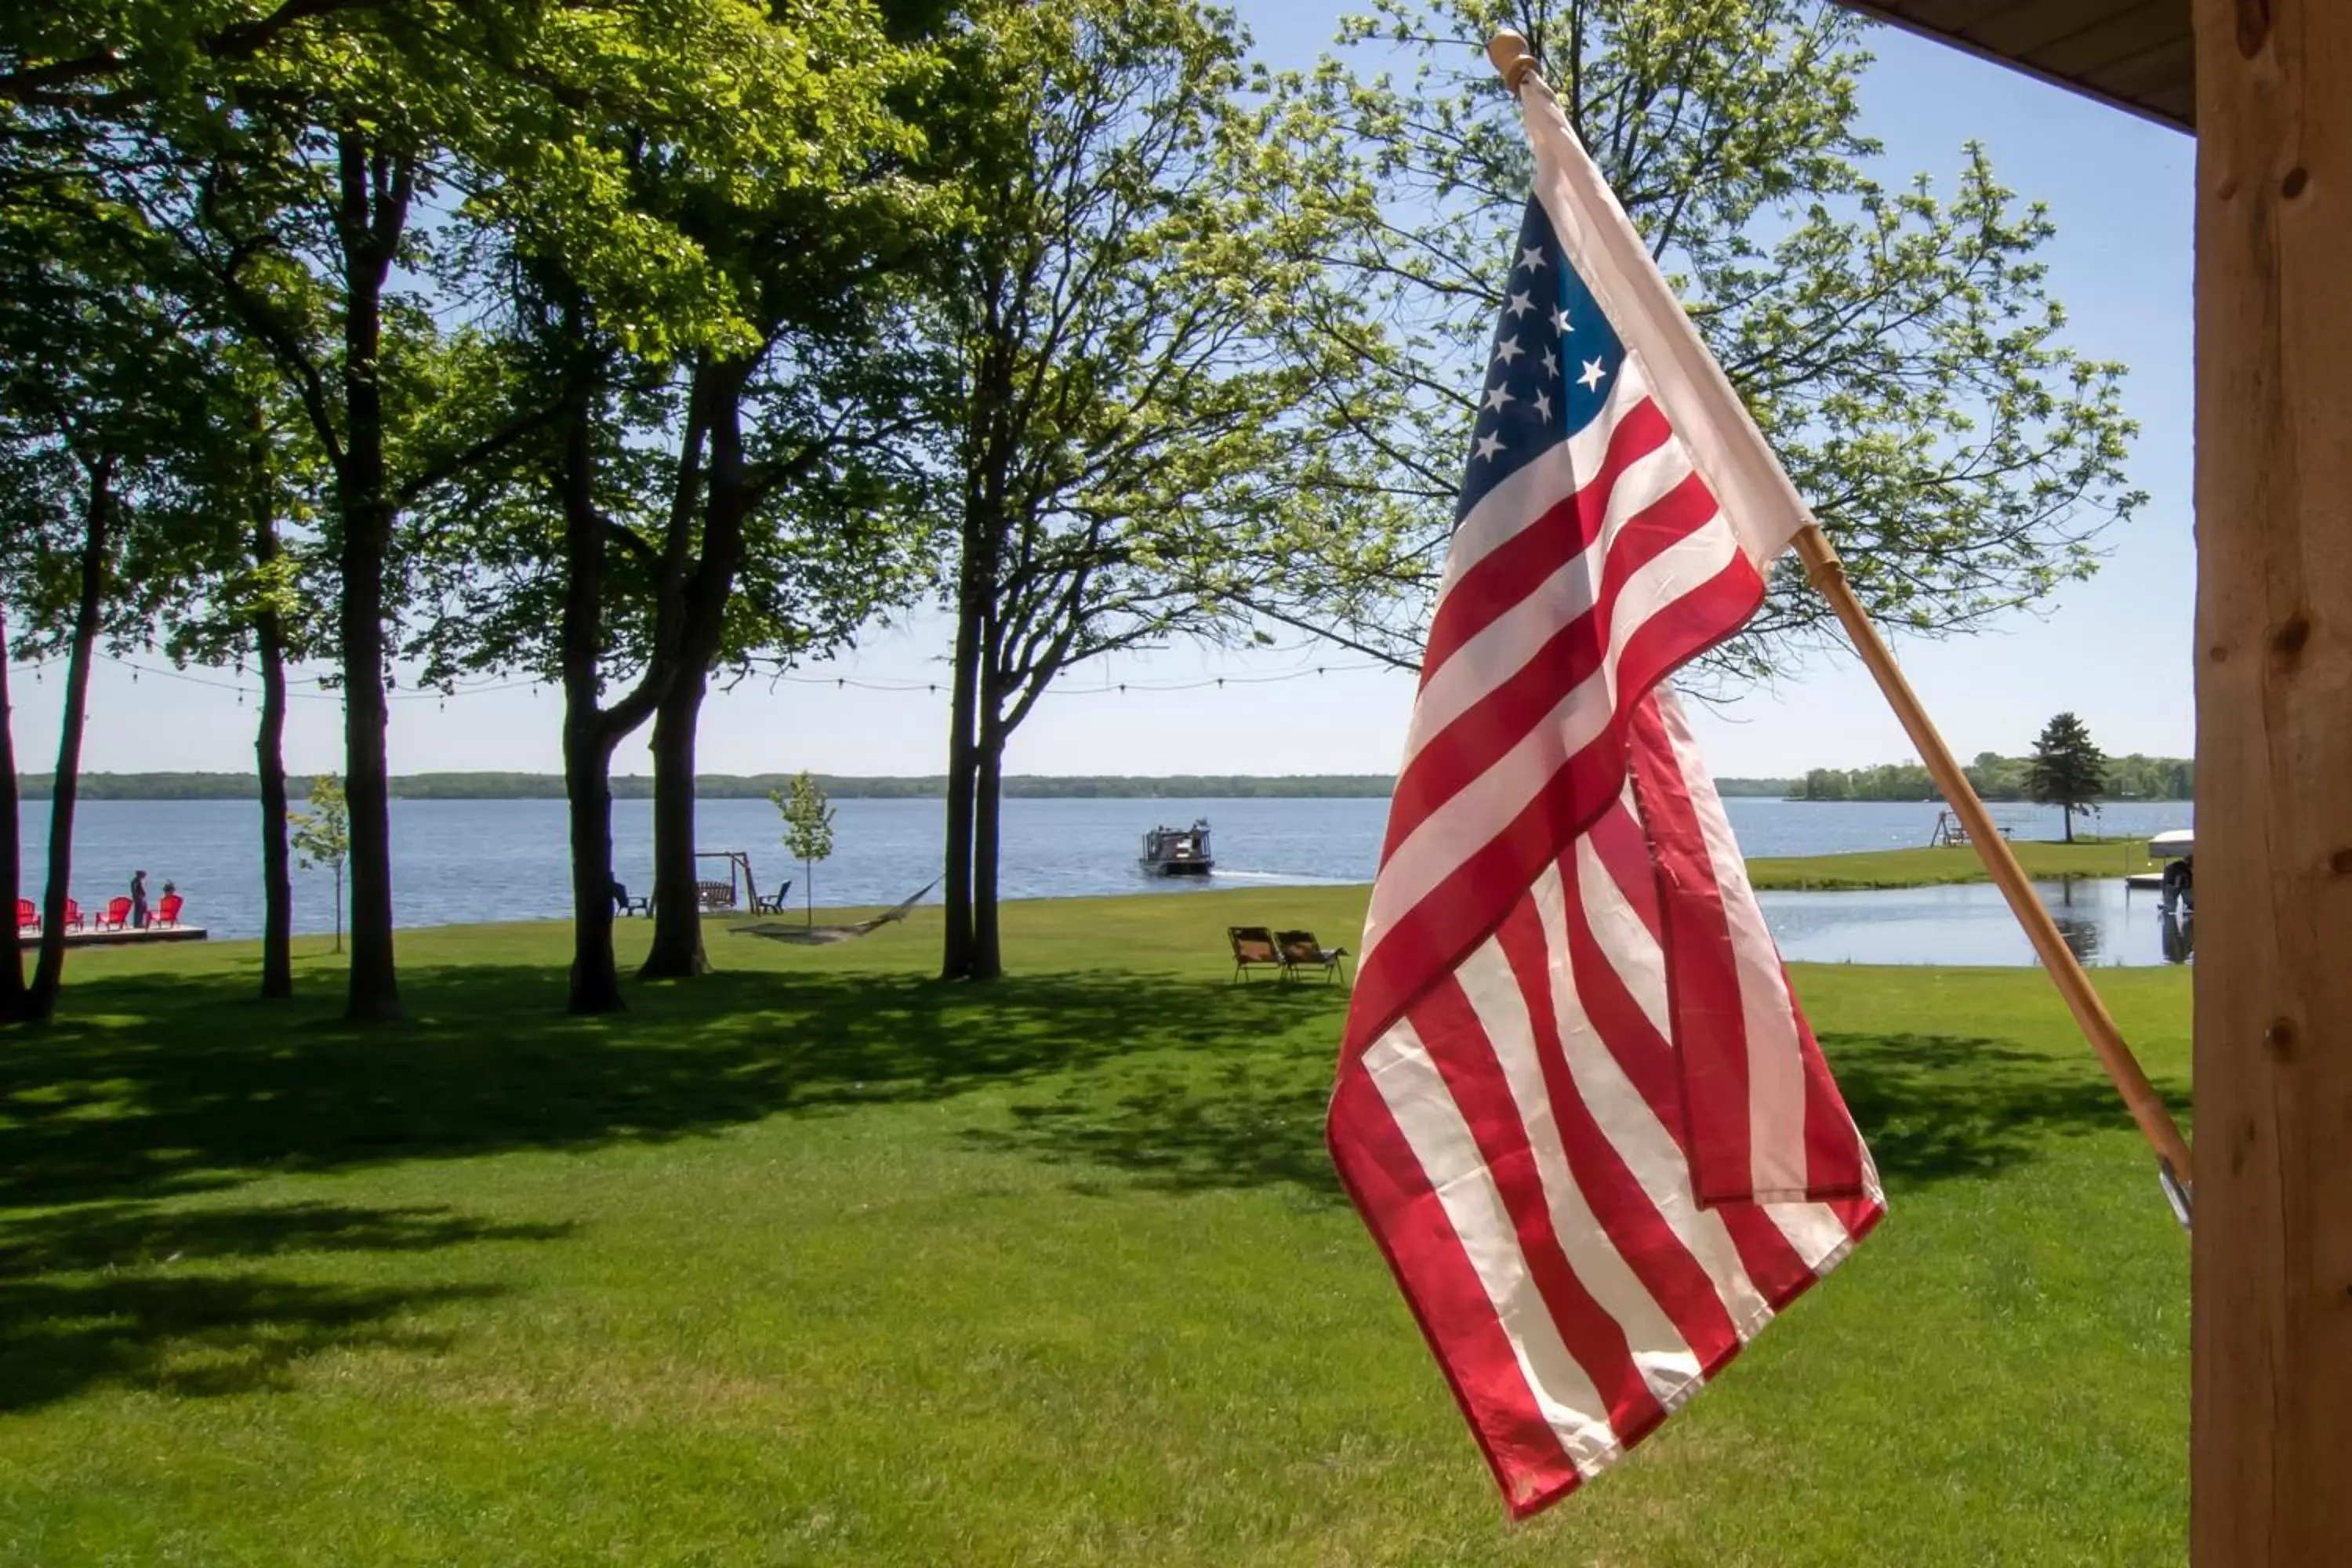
(1514, 61)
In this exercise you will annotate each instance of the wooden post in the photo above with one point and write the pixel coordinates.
(2271, 1443)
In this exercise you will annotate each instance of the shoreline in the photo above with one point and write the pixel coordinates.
(1864, 870)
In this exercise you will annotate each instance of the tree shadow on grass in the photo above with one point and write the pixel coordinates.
(130, 1235)
(193, 1335)
(1184, 1083)
(1932, 1108)
(181, 1085)
(1243, 1117)
(133, 1296)
(1936, 1107)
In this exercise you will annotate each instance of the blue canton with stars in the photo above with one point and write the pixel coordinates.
(1552, 363)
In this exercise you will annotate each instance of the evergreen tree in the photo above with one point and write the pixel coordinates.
(2065, 770)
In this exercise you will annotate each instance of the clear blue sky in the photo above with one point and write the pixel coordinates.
(2115, 650)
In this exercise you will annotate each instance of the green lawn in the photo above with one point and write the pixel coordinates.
(2045, 861)
(816, 1261)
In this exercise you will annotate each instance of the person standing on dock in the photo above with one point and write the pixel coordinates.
(138, 900)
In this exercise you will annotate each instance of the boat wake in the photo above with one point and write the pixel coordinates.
(1288, 878)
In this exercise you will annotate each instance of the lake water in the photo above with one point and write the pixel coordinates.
(459, 862)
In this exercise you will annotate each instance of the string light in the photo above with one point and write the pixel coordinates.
(440, 697)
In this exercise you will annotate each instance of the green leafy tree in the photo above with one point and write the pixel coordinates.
(709, 489)
(248, 596)
(808, 832)
(100, 409)
(322, 836)
(2066, 770)
(1111, 410)
(329, 171)
(1898, 347)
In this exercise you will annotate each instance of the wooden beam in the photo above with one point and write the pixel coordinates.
(2156, 106)
(2272, 1435)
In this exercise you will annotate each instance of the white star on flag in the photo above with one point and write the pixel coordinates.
(1509, 350)
(1550, 364)
(1489, 444)
(1543, 405)
(1592, 374)
(1531, 258)
(1559, 322)
(1497, 396)
(1520, 304)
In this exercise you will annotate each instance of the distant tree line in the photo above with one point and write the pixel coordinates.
(1770, 789)
(2134, 777)
(749, 786)
(1995, 777)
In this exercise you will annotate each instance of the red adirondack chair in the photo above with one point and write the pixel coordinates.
(167, 911)
(27, 917)
(73, 915)
(117, 916)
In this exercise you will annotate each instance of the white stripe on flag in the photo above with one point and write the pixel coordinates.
(1667, 1364)
(1775, 1071)
(1516, 503)
(1640, 1139)
(1698, 398)
(1502, 646)
(1442, 1146)
(1464, 823)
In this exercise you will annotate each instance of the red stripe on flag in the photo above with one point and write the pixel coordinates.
(1835, 1163)
(1484, 732)
(1709, 1020)
(1627, 1213)
(1457, 1042)
(1385, 1183)
(1618, 838)
(1514, 569)
(1648, 1059)
(1679, 632)
(1433, 936)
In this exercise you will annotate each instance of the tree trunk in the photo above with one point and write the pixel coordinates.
(12, 971)
(677, 953)
(587, 747)
(2067, 811)
(270, 761)
(48, 972)
(956, 956)
(987, 957)
(375, 206)
(587, 782)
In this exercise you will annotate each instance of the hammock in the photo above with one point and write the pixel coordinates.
(778, 931)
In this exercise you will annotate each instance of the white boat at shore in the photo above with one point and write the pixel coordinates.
(2176, 848)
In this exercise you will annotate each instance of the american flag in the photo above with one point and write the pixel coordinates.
(1577, 1104)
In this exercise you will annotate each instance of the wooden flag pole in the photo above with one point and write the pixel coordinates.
(1827, 574)
(1515, 63)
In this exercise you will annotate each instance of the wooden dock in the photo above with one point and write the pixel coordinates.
(127, 937)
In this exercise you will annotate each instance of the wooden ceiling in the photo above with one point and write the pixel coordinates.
(2138, 54)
